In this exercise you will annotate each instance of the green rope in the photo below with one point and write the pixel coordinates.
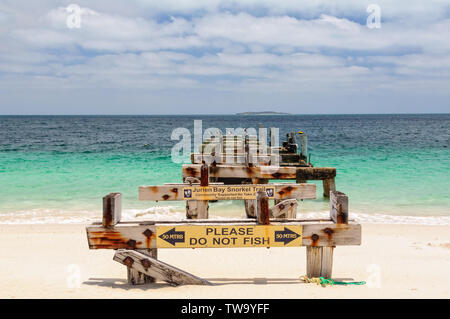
(330, 282)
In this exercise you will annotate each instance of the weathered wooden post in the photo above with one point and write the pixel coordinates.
(303, 145)
(286, 208)
(112, 209)
(262, 212)
(147, 267)
(250, 205)
(112, 212)
(136, 277)
(320, 259)
(202, 205)
(338, 207)
(328, 186)
(299, 178)
(198, 209)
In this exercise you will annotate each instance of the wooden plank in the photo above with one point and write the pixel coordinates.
(134, 236)
(135, 277)
(314, 173)
(250, 207)
(202, 209)
(193, 181)
(157, 269)
(327, 262)
(256, 181)
(237, 159)
(324, 234)
(121, 236)
(175, 191)
(191, 209)
(269, 172)
(304, 145)
(285, 209)
(313, 261)
(290, 158)
(338, 207)
(112, 209)
(319, 261)
(216, 221)
(187, 180)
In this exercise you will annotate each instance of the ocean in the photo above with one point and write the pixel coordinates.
(56, 169)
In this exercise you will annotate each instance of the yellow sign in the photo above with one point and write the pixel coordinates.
(224, 192)
(217, 236)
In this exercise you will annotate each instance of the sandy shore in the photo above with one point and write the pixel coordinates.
(53, 261)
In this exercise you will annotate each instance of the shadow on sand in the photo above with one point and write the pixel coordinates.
(123, 284)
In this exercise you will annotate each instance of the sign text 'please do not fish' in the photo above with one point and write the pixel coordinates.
(217, 236)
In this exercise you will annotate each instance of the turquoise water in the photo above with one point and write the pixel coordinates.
(61, 166)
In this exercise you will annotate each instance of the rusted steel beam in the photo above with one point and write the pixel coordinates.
(135, 236)
(269, 172)
(172, 192)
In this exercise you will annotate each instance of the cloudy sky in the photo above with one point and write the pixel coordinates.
(216, 56)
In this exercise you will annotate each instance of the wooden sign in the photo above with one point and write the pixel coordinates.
(317, 233)
(226, 192)
(169, 192)
(227, 236)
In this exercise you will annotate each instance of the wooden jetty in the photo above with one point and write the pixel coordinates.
(137, 243)
(247, 159)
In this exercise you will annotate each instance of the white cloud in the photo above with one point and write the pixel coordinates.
(293, 47)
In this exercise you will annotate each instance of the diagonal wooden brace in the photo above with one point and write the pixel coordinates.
(156, 268)
(285, 209)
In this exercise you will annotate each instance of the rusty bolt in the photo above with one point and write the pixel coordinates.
(146, 263)
(147, 233)
(315, 237)
(128, 261)
(131, 243)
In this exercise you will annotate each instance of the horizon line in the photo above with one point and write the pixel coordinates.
(213, 114)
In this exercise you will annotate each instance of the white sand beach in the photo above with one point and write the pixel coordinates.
(53, 261)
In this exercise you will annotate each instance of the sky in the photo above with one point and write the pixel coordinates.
(222, 57)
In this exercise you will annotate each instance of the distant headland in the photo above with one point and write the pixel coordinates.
(263, 113)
